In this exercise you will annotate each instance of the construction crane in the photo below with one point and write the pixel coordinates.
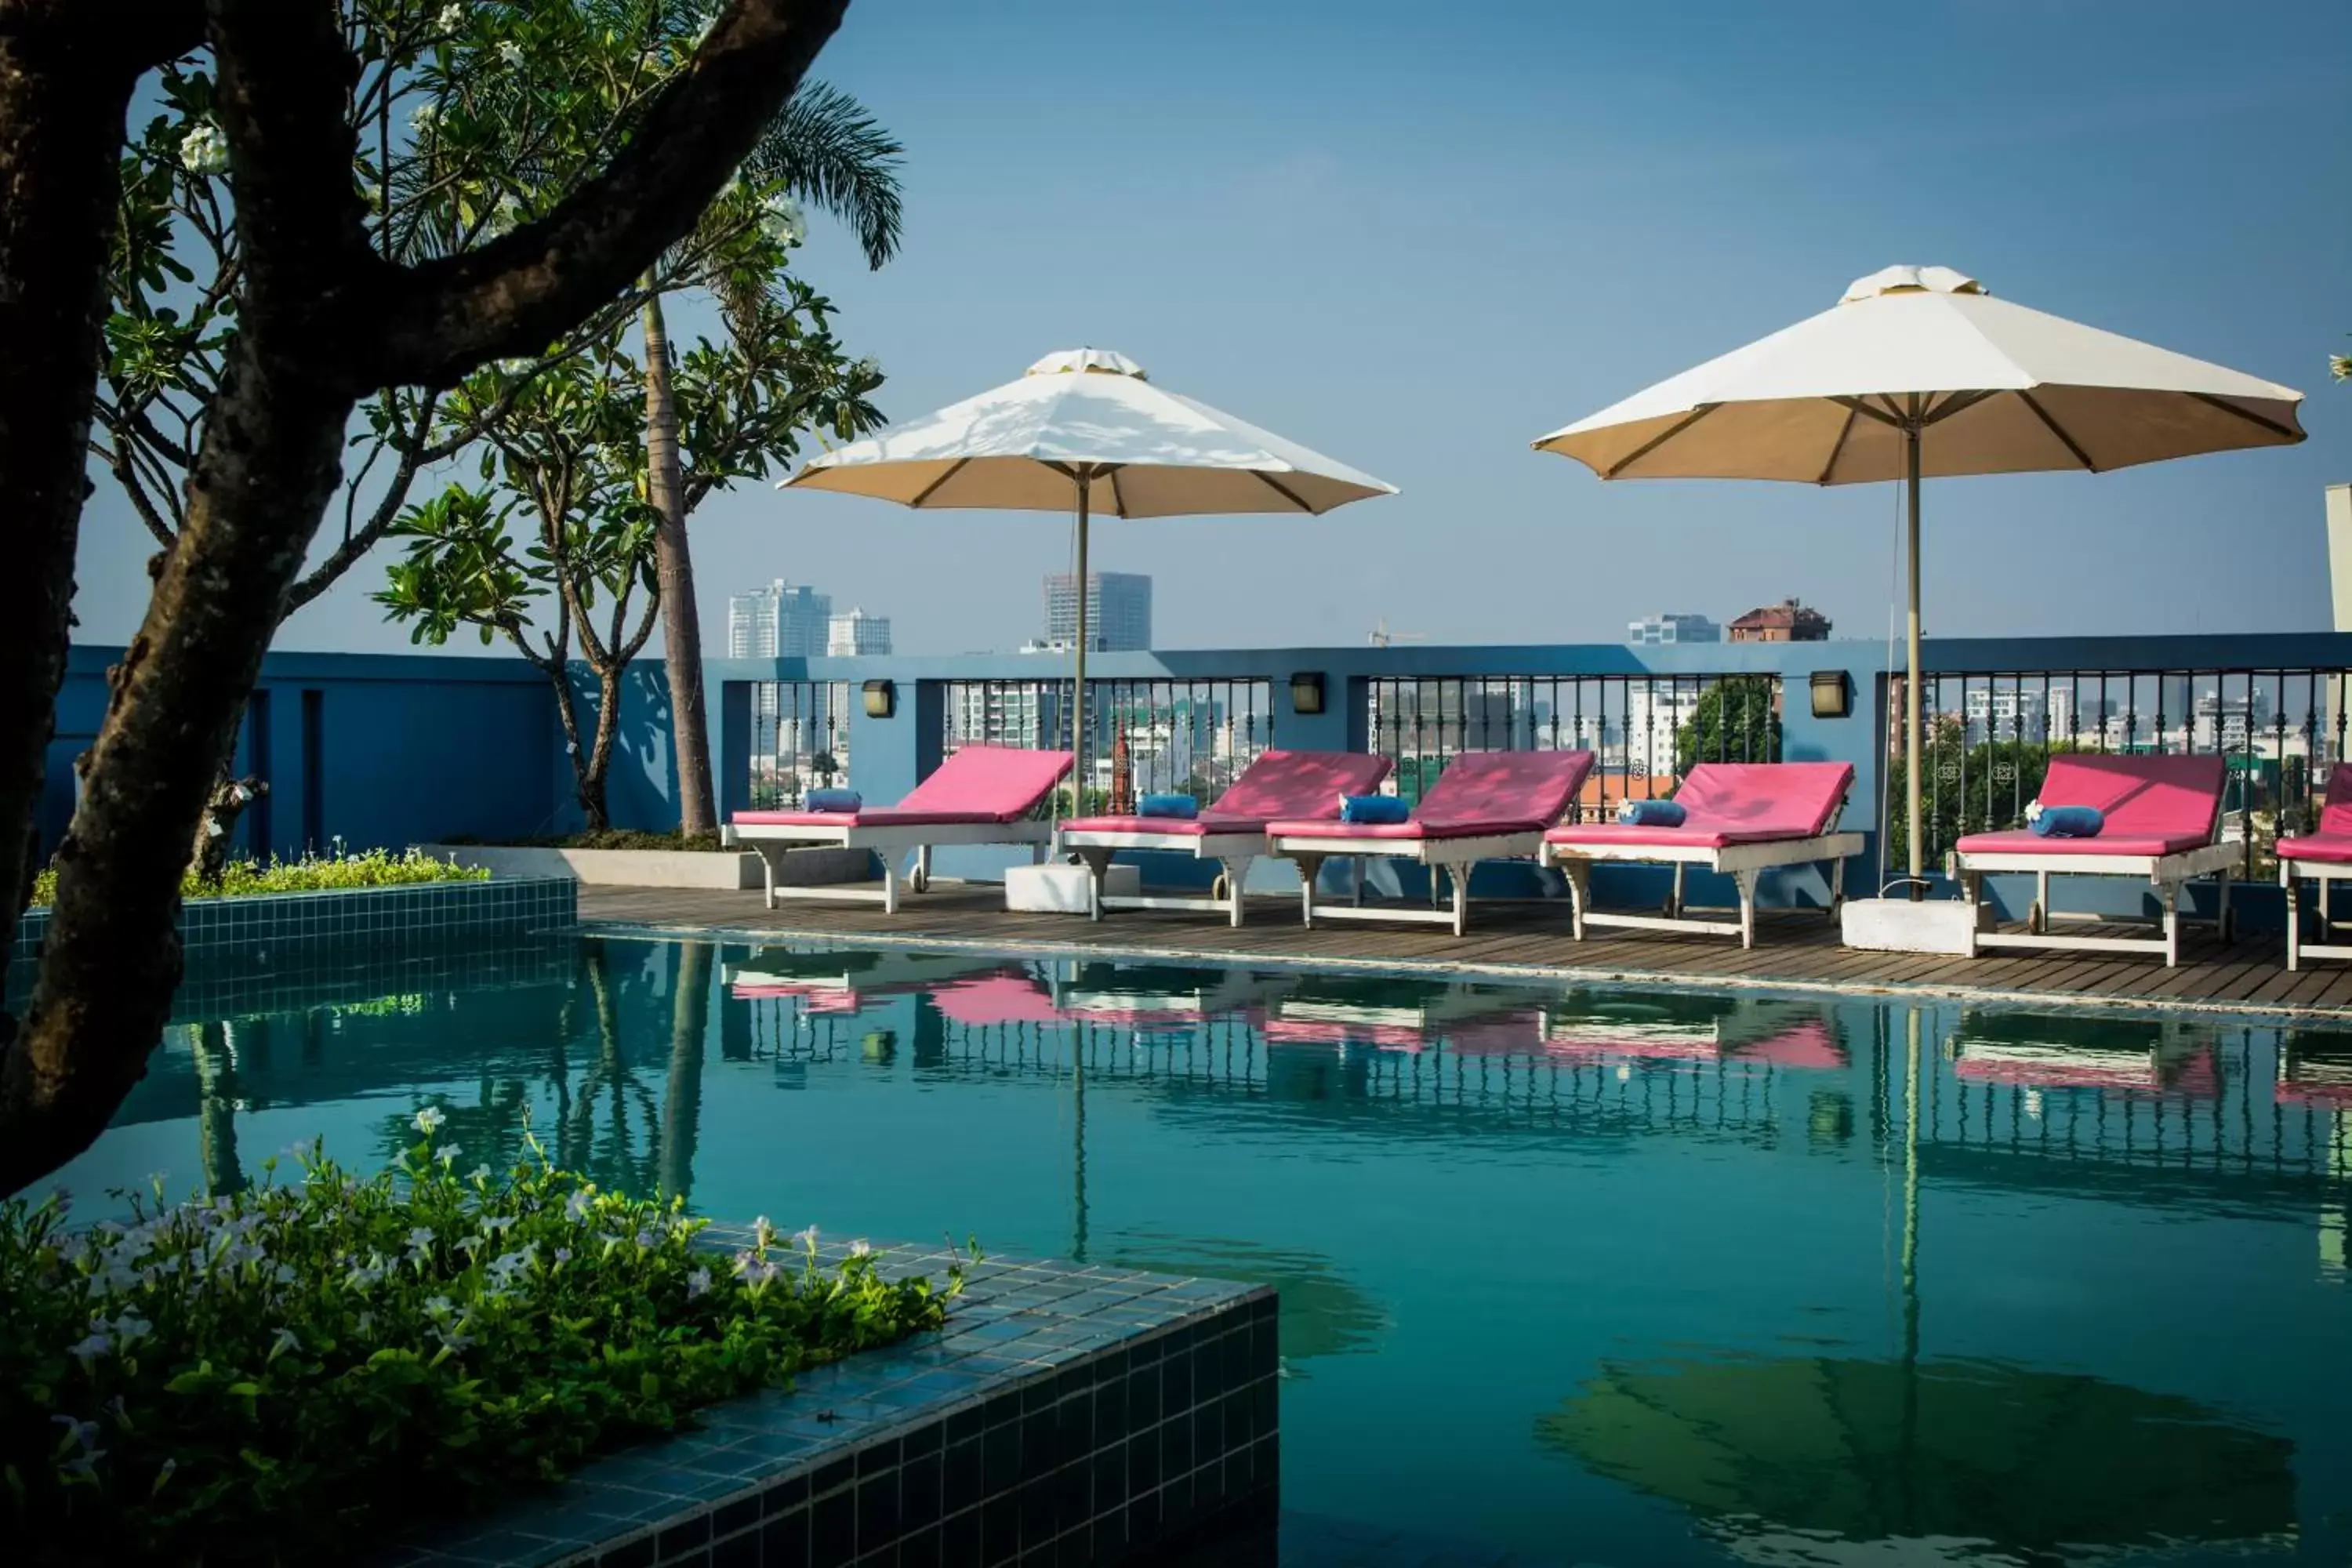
(1382, 637)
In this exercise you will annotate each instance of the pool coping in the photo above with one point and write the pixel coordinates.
(1568, 975)
(1067, 1413)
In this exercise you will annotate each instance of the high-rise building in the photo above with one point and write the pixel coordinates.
(856, 633)
(1119, 611)
(779, 621)
(1787, 621)
(1673, 629)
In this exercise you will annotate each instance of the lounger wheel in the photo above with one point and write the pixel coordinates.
(1222, 888)
(2035, 919)
(919, 880)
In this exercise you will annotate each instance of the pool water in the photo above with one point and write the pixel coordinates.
(1636, 1276)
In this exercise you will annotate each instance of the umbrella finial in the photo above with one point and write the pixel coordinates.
(1098, 361)
(1911, 280)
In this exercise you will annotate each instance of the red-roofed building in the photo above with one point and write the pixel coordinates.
(1787, 621)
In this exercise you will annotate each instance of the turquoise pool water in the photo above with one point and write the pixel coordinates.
(1622, 1277)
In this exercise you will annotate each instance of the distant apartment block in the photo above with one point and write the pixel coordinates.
(780, 621)
(1658, 630)
(1787, 621)
(847, 637)
(1119, 611)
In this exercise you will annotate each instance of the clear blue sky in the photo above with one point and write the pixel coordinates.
(1415, 237)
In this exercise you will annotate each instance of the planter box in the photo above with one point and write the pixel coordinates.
(1898, 925)
(281, 925)
(658, 868)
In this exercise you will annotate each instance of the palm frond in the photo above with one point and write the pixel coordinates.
(831, 153)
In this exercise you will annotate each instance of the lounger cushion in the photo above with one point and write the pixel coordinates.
(2336, 811)
(1736, 802)
(977, 785)
(1281, 785)
(1480, 794)
(2024, 841)
(1164, 826)
(2329, 847)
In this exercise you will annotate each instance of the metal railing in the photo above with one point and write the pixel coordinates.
(1644, 731)
(1145, 736)
(1988, 737)
(800, 740)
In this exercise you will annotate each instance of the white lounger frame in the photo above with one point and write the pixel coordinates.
(1236, 852)
(1454, 857)
(2326, 873)
(2168, 874)
(1745, 864)
(772, 841)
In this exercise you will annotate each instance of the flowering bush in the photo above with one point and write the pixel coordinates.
(264, 1377)
(311, 873)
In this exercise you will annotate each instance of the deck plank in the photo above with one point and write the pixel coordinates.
(1529, 936)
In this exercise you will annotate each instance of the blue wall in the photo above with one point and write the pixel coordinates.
(394, 750)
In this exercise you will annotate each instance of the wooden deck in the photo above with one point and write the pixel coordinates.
(1527, 940)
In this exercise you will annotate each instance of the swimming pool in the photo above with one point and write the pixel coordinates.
(1606, 1275)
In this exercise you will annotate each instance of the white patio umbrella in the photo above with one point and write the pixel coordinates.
(1084, 428)
(1917, 371)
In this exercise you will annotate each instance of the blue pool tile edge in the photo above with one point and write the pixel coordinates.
(1067, 1413)
(281, 925)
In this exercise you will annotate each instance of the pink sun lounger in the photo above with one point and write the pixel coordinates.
(981, 795)
(1486, 805)
(1738, 818)
(1279, 785)
(2163, 826)
(2324, 858)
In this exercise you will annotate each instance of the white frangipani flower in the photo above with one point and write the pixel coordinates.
(204, 150)
(452, 17)
(781, 219)
(511, 52)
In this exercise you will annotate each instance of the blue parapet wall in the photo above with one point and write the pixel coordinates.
(398, 749)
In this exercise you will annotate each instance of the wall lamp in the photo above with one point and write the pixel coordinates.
(1307, 692)
(881, 698)
(1833, 694)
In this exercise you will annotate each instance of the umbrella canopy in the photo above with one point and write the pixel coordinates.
(1994, 1463)
(1087, 428)
(1145, 452)
(1918, 372)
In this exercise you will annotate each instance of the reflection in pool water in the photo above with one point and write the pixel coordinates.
(1582, 1275)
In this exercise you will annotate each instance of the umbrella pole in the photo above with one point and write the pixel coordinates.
(1079, 723)
(1912, 752)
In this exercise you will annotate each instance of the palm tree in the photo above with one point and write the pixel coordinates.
(828, 151)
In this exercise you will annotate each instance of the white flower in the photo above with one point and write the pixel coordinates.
(780, 220)
(563, 1255)
(806, 1238)
(204, 150)
(287, 1340)
(493, 1226)
(762, 1232)
(129, 1327)
(864, 369)
(438, 1307)
(449, 1156)
(452, 17)
(745, 1261)
(698, 1283)
(424, 119)
(455, 1341)
(420, 1238)
(575, 1207)
(479, 1174)
(92, 1347)
(511, 52)
(861, 1248)
(429, 1120)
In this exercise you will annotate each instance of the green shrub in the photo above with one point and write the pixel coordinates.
(311, 873)
(269, 1375)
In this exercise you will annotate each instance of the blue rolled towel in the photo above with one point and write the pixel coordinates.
(1182, 806)
(1374, 810)
(832, 800)
(2069, 821)
(1650, 814)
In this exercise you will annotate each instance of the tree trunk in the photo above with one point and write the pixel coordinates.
(111, 960)
(63, 93)
(673, 570)
(599, 751)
